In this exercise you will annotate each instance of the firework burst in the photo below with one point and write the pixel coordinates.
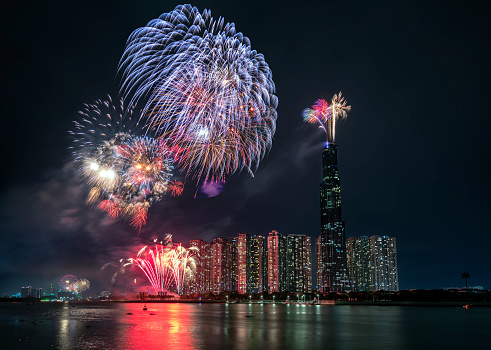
(166, 263)
(211, 96)
(126, 173)
(82, 285)
(67, 283)
(70, 283)
(326, 114)
(176, 188)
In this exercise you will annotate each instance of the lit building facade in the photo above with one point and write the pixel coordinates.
(233, 264)
(37, 293)
(203, 279)
(242, 247)
(253, 264)
(384, 260)
(223, 265)
(276, 262)
(372, 263)
(359, 264)
(298, 277)
(26, 292)
(330, 245)
(256, 265)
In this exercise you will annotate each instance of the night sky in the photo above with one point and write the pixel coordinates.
(413, 154)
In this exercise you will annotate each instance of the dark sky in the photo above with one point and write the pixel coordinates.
(413, 153)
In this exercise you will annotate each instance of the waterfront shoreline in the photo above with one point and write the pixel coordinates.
(323, 302)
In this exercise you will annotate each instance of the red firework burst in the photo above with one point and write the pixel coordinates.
(176, 188)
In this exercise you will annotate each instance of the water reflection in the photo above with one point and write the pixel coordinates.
(356, 326)
(240, 326)
(188, 326)
(65, 335)
(160, 326)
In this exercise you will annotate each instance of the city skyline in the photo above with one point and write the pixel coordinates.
(413, 150)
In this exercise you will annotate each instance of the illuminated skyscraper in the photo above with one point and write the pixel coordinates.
(26, 292)
(384, 259)
(276, 262)
(359, 264)
(298, 264)
(330, 245)
(372, 263)
(250, 262)
(222, 265)
(37, 293)
(242, 245)
(232, 262)
(203, 280)
(256, 264)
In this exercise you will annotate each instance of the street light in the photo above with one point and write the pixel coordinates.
(227, 299)
(273, 298)
(250, 298)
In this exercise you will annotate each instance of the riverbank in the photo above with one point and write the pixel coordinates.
(322, 302)
(414, 303)
(278, 302)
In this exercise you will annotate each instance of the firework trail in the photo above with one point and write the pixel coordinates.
(326, 115)
(183, 264)
(126, 173)
(120, 268)
(211, 97)
(101, 128)
(166, 263)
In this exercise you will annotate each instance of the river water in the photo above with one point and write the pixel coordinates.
(241, 326)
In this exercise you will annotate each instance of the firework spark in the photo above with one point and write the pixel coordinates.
(211, 96)
(67, 283)
(70, 283)
(326, 115)
(176, 188)
(82, 285)
(127, 173)
(166, 263)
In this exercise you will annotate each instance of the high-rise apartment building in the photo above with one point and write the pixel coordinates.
(253, 264)
(203, 279)
(298, 264)
(384, 257)
(26, 292)
(233, 264)
(223, 265)
(372, 263)
(276, 262)
(242, 246)
(37, 293)
(330, 245)
(256, 265)
(359, 261)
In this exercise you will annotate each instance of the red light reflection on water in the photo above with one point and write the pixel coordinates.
(161, 326)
